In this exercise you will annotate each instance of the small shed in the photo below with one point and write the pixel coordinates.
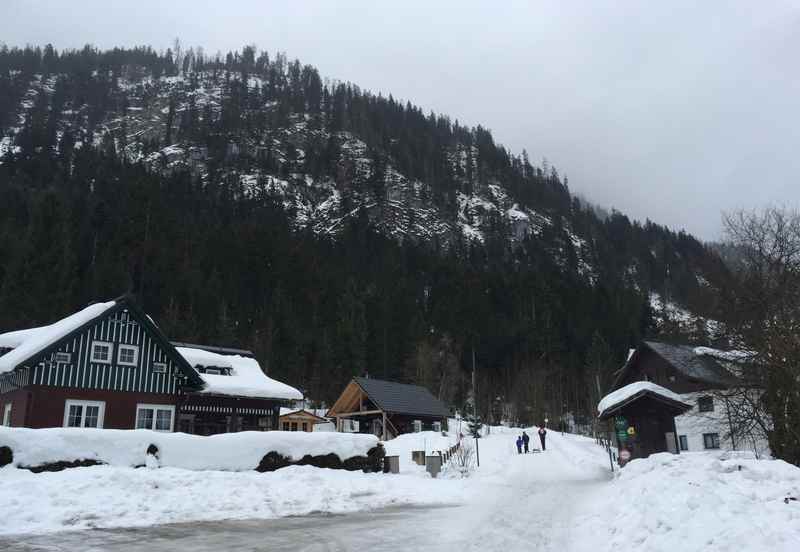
(643, 416)
(388, 409)
(292, 419)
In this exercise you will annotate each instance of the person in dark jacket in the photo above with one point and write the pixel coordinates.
(519, 445)
(542, 434)
(525, 440)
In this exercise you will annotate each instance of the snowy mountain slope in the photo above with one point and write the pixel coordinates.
(668, 312)
(251, 128)
(146, 119)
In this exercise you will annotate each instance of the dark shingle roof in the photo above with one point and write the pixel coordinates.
(699, 367)
(401, 398)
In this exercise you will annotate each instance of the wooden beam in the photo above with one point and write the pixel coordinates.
(347, 400)
(363, 413)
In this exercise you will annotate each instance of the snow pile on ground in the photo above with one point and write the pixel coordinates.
(429, 441)
(108, 496)
(698, 501)
(117, 496)
(230, 451)
(562, 499)
(245, 378)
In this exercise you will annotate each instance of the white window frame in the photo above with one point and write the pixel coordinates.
(134, 348)
(155, 408)
(101, 412)
(213, 371)
(110, 352)
(62, 361)
(159, 367)
(7, 414)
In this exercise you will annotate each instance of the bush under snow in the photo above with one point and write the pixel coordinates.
(227, 452)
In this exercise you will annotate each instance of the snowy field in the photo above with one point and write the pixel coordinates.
(562, 499)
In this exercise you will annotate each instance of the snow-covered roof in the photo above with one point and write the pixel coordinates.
(728, 356)
(285, 411)
(692, 362)
(624, 394)
(26, 343)
(246, 378)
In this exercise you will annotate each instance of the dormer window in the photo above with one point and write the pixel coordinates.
(214, 370)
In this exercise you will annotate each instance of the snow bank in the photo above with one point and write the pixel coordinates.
(229, 452)
(246, 378)
(624, 393)
(108, 496)
(429, 441)
(698, 501)
(28, 342)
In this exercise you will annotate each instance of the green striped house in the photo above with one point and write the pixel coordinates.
(109, 365)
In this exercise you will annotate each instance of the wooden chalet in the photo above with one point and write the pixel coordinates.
(292, 419)
(712, 380)
(388, 409)
(110, 366)
(679, 368)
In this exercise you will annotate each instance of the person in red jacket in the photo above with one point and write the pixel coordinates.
(542, 434)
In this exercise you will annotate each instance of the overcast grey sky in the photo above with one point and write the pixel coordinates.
(665, 110)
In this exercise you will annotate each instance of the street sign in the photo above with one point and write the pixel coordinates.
(631, 431)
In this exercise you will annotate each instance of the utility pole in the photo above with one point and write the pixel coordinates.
(475, 409)
(474, 390)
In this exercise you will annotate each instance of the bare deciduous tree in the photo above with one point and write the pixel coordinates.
(762, 315)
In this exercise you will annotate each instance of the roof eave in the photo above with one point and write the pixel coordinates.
(44, 351)
(680, 407)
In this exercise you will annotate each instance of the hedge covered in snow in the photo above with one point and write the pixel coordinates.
(250, 450)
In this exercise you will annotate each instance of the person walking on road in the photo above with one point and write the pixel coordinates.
(525, 440)
(519, 445)
(542, 434)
